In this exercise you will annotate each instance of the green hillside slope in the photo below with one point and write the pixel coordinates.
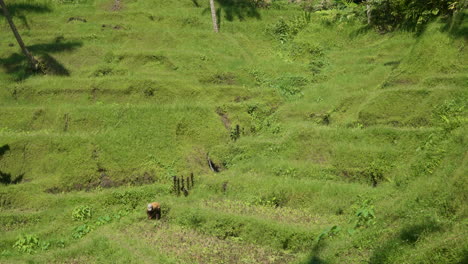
(332, 143)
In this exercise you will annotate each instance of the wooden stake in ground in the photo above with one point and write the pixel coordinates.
(34, 64)
(182, 183)
(213, 16)
(174, 185)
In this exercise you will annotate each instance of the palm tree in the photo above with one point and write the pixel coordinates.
(32, 61)
(368, 11)
(213, 16)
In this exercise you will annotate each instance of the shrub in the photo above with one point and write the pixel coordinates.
(284, 30)
(81, 213)
(81, 231)
(102, 220)
(364, 215)
(388, 15)
(27, 244)
(329, 232)
(450, 114)
(191, 218)
(290, 86)
(129, 199)
(375, 172)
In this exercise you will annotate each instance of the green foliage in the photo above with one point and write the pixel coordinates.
(375, 172)
(191, 218)
(388, 15)
(81, 213)
(262, 118)
(287, 172)
(290, 86)
(285, 30)
(129, 199)
(45, 246)
(433, 152)
(451, 114)
(364, 215)
(235, 133)
(27, 244)
(60, 243)
(102, 220)
(81, 231)
(121, 213)
(328, 232)
(276, 199)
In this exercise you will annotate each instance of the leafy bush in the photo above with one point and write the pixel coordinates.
(364, 215)
(374, 173)
(275, 199)
(191, 218)
(81, 231)
(27, 244)
(290, 86)
(120, 214)
(450, 114)
(284, 30)
(301, 49)
(329, 232)
(102, 220)
(287, 172)
(387, 15)
(81, 213)
(433, 152)
(130, 199)
(262, 118)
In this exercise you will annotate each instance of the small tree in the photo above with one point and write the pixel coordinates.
(34, 64)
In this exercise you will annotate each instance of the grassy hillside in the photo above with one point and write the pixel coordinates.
(351, 145)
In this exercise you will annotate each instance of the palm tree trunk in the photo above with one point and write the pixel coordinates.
(213, 16)
(32, 61)
(369, 12)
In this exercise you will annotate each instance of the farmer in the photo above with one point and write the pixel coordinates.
(154, 211)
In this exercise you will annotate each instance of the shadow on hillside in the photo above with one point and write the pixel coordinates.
(18, 10)
(4, 149)
(241, 9)
(409, 235)
(360, 31)
(456, 25)
(16, 64)
(5, 178)
(314, 256)
(232, 9)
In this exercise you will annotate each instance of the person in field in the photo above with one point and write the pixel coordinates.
(154, 211)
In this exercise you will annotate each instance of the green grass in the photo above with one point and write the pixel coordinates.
(333, 120)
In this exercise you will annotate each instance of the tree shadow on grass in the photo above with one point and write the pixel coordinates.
(240, 9)
(18, 10)
(4, 149)
(457, 25)
(409, 235)
(17, 65)
(361, 31)
(232, 9)
(314, 257)
(6, 178)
